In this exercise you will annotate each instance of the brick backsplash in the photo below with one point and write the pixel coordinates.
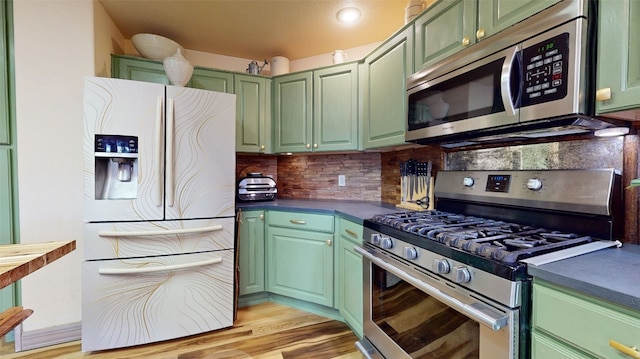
(370, 176)
(316, 176)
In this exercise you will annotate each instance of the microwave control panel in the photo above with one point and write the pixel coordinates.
(546, 70)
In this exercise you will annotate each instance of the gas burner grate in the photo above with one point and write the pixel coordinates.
(493, 239)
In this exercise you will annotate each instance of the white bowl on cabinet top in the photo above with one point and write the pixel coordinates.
(154, 46)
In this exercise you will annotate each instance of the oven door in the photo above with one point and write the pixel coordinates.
(409, 313)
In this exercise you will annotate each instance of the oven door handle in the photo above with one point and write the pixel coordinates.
(477, 311)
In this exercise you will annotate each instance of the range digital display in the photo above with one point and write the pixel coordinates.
(498, 183)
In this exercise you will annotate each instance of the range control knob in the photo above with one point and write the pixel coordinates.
(410, 253)
(461, 275)
(386, 243)
(441, 266)
(468, 182)
(375, 238)
(534, 184)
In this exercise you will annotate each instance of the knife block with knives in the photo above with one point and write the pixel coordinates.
(416, 185)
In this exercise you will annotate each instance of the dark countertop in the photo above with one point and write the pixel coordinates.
(612, 274)
(356, 211)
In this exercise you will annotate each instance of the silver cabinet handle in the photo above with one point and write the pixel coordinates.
(329, 242)
(159, 268)
(159, 232)
(297, 221)
(261, 216)
(477, 311)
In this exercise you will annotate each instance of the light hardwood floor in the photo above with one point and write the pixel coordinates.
(265, 331)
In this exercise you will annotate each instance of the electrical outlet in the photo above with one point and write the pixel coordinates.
(342, 180)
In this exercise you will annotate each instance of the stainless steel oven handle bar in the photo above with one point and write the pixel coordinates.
(478, 312)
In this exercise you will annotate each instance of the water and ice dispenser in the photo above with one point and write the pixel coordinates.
(116, 171)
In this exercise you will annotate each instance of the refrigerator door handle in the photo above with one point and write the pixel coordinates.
(157, 155)
(217, 227)
(159, 268)
(170, 134)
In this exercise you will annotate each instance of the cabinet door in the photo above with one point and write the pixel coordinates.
(253, 113)
(384, 88)
(497, 15)
(619, 55)
(335, 115)
(251, 252)
(6, 197)
(4, 79)
(212, 80)
(300, 265)
(293, 111)
(444, 29)
(349, 296)
(583, 322)
(133, 68)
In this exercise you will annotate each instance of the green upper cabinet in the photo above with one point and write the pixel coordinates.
(383, 87)
(139, 69)
(212, 80)
(316, 110)
(496, 15)
(253, 113)
(335, 108)
(618, 56)
(451, 25)
(444, 29)
(4, 79)
(293, 112)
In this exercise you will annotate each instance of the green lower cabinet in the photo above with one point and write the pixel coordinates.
(349, 281)
(618, 56)
(251, 252)
(300, 262)
(569, 324)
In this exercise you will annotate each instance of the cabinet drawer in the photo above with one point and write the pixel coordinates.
(350, 230)
(582, 321)
(305, 221)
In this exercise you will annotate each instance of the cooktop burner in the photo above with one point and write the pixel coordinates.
(493, 239)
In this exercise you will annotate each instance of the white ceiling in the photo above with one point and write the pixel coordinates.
(258, 29)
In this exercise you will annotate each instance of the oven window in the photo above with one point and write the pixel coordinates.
(421, 325)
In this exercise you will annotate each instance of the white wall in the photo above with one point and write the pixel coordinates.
(53, 52)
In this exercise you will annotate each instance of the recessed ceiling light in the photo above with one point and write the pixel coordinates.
(348, 14)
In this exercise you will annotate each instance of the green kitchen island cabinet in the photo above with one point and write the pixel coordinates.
(349, 274)
(451, 25)
(618, 78)
(316, 110)
(383, 88)
(253, 113)
(251, 252)
(568, 324)
(300, 253)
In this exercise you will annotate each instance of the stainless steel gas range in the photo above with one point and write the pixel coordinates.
(452, 282)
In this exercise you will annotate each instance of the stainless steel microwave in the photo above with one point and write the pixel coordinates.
(535, 79)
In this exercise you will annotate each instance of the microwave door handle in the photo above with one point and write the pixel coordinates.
(505, 80)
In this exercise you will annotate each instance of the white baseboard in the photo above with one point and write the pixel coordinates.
(46, 337)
